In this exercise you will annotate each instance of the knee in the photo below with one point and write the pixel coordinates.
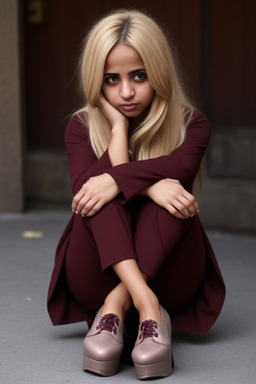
(113, 205)
(152, 211)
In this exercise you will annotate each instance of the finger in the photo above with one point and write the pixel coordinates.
(75, 202)
(175, 212)
(95, 209)
(81, 205)
(99, 100)
(87, 206)
(182, 209)
(188, 200)
(179, 192)
(192, 199)
(102, 103)
(181, 204)
(191, 204)
(82, 197)
(187, 207)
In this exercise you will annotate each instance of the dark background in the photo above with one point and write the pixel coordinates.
(215, 41)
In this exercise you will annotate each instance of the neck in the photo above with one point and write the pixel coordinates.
(136, 121)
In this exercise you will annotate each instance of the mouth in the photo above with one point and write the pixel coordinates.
(129, 107)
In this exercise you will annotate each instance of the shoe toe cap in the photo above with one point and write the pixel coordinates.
(102, 347)
(149, 353)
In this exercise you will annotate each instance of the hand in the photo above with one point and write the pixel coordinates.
(115, 117)
(170, 194)
(95, 193)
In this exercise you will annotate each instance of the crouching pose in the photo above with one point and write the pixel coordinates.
(134, 254)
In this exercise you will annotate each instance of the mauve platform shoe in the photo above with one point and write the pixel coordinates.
(103, 345)
(152, 353)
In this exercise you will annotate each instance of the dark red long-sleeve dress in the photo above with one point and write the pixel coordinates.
(175, 254)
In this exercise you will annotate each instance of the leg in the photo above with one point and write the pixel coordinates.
(115, 246)
(118, 301)
(142, 296)
(85, 280)
(97, 243)
(157, 234)
(133, 281)
(173, 255)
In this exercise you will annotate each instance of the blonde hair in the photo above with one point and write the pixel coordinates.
(164, 128)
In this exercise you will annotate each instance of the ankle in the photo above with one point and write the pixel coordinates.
(149, 308)
(117, 307)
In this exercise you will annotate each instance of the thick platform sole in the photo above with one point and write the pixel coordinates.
(102, 368)
(159, 369)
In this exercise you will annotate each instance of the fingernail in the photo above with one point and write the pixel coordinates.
(77, 212)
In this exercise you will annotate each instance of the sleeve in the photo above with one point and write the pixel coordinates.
(182, 164)
(83, 163)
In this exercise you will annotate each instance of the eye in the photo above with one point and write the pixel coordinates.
(111, 79)
(140, 76)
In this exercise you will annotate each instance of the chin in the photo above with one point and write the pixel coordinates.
(132, 114)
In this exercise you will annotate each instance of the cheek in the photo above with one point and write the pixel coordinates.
(109, 94)
(148, 94)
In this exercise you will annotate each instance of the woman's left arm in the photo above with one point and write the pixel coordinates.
(182, 164)
(170, 195)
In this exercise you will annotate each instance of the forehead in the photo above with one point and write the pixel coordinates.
(123, 57)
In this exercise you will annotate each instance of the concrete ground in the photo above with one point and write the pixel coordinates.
(33, 351)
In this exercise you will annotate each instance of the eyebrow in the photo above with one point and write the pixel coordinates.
(129, 73)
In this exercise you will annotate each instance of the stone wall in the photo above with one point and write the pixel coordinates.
(11, 157)
(229, 197)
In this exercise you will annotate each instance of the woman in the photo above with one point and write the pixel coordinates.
(134, 243)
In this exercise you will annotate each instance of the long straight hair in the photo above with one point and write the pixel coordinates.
(164, 127)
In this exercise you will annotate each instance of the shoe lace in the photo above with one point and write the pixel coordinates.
(148, 329)
(108, 323)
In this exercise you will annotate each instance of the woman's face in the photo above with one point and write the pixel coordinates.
(126, 85)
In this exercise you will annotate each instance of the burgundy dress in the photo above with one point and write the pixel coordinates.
(175, 254)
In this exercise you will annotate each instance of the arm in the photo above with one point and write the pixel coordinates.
(83, 163)
(170, 194)
(99, 190)
(182, 164)
(118, 146)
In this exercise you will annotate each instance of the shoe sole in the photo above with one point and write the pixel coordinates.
(102, 368)
(160, 369)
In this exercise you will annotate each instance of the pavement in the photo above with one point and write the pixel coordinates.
(33, 351)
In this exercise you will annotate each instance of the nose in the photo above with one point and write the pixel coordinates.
(127, 90)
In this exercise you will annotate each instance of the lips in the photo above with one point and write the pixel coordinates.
(129, 107)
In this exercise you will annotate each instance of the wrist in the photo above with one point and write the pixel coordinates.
(118, 127)
(144, 192)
